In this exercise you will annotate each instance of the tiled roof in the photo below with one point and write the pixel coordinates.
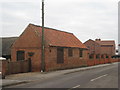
(109, 42)
(58, 38)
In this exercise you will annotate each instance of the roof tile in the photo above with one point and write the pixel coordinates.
(59, 38)
(109, 42)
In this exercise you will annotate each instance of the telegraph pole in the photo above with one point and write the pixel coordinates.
(43, 45)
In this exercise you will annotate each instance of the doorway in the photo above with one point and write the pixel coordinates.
(60, 55)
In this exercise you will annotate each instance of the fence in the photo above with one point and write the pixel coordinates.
(15, 67)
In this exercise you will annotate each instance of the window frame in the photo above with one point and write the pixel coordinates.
(97, 56)
(91, 56)
(80, 53)
(20, 55)
(70, 52)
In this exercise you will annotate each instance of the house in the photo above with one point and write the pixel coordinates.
(6, 43)
(93, 47)
(101, 47)
(62, 49)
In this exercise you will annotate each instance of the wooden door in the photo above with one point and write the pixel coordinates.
(60, 55)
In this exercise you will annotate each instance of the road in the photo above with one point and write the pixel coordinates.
(103, 77)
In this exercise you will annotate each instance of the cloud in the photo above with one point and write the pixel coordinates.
(85, 18)
(20, 1)
(16, 16)
(85, 15)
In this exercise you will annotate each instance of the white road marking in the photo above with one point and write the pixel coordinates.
(76, 86)
(98, 77)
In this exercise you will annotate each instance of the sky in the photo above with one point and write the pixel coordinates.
(86, 19)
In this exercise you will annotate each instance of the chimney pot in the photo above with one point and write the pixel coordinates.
(98, 39)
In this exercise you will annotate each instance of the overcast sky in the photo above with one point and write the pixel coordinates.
(87, 19)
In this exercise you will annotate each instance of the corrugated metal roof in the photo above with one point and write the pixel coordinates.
(6, 44)
(58, 38)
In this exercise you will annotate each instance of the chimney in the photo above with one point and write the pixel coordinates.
(98, 39)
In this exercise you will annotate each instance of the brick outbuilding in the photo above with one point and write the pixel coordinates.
(101, 47)
(62, 49)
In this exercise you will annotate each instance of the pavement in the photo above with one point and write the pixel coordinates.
(21, 78)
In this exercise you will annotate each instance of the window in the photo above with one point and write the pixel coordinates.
(91, 56)
(60, 55)
(102, 56)
(20, 55)
(107, 56)
(80, 52)
(97, 56)
(70, 52)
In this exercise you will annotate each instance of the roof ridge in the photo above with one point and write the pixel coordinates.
(107, 40)
(8, 37)
(52, 29)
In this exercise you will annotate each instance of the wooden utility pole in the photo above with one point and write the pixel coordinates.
(43, 44)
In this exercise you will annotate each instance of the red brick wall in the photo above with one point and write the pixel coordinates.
(28, 39)
(35, 59)
(29, 42)
(69, 62)
(108, 50)
(94, 61)
(115, 60)
(93, 47)
(23, 66)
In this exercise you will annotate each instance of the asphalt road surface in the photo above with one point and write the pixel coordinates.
(103, 77)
